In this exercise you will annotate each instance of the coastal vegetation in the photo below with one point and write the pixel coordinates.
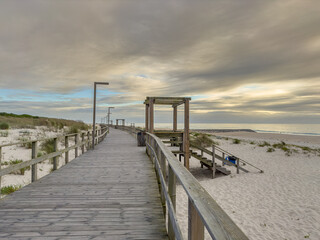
(28, 121)
(203, 140)
(4, 126)
(10, 189)
(13, 162)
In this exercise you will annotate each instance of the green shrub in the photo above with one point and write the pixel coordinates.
(236, 141)
(10, 189)
(252, 142)
(4, 126)
(73, 129)
(285, 149)
(264, 144)
(27, 144)
(48, 146)
(202, 140)
(40, 154)
(270, 149)
(84, 127)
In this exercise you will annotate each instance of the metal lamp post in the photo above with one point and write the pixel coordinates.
(109, 115)
(94, 110)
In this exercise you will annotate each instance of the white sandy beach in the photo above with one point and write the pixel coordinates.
(17, 152)
(281, 203)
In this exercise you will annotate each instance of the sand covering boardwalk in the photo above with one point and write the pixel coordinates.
(108, 193)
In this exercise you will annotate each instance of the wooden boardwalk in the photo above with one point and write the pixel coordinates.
(108, 193)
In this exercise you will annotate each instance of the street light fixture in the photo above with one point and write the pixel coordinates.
(94, 110)
(109, 115)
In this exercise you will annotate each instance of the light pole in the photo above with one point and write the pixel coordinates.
(94, 110)
(109, 115)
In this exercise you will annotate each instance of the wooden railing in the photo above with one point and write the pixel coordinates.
(222, 156)
(203, 211)
(82, 140)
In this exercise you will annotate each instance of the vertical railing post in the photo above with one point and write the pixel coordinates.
(163, 170)
(66, 145)
(82, 143)
(34, 166)
(213, 161)
(0, 166)
(223, 156)
(172, 194)
(55, 149)
(88, 137)
(76, 138)
(238, 163)
(195, 224)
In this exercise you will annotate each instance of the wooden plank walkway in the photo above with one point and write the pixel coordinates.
(108, 193)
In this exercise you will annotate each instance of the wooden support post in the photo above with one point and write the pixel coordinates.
(55, 159)
(34, 166)
(175, 118)
(238, 164)
(213, 161)
(163, 170)
(223, 156)
(82, 142)
(151, 117)
(76, 139)
(66, 145)
(186, 134)
(0, 167)
(172, 194)
(195, 225)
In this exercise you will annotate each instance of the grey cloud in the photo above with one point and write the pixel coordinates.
(183, 47)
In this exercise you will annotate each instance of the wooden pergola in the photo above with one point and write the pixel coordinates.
(174, 102)
(123, 122)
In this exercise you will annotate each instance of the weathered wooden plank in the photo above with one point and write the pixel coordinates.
(109, 193)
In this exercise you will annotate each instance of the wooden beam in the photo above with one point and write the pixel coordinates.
(66, 145)
(147, 118)
(0, 165)
(55, 149)
(151, 117)
(34, 166)
(186, 143)
(175, 118)
(195, 224)
(172, 194)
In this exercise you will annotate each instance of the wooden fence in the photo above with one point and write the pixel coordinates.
(203, 211)
(82, 140)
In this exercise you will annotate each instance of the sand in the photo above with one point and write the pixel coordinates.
(281, 203)
(17, 152)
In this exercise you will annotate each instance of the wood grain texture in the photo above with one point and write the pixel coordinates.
(108, 193)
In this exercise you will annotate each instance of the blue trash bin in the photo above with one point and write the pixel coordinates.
(231, 159)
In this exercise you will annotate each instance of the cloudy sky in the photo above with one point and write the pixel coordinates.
(247, 61)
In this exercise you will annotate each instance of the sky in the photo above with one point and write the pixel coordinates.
(247, 61)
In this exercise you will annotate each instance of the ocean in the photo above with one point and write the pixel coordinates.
(295, 129)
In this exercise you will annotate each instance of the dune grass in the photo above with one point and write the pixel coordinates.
(10, 189)
(16, 161)
(4, 126)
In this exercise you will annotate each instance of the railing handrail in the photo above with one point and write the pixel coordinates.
(218, 224)
(34, 159)
(48, 138)
(223, 151)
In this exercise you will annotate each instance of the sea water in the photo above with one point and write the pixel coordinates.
(295, 129)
